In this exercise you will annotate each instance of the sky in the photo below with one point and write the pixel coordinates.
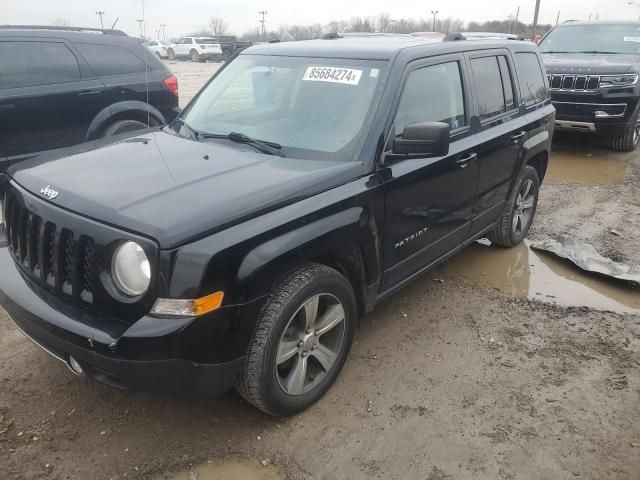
(184, 16)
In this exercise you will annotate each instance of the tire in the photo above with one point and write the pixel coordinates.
(159, 55)
(278, 352)
(123, 126)
(509, 231)
(627, 140)
(171, 54)
(195, 56)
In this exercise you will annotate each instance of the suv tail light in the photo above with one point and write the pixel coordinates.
(234, 46)
(171, 82)
(203, 47)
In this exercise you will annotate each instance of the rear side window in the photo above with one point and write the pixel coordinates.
(530, 78)
(109, 60)
(25, 64)
(491, 97)
(432, 94)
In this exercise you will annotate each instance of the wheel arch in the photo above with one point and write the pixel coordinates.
(345, 241)
(126, 110)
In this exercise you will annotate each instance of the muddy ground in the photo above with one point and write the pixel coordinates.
(469, 373)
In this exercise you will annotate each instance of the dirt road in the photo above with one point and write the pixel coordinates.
(473, 372)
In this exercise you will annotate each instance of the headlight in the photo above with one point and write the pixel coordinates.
(618, 80)
(130, 269)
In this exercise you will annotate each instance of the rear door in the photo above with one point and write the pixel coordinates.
(501, 132)
(121, 70)
(48, 97)
(429, 201)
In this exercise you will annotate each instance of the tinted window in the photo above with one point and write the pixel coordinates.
(604, 38)
(432, 94)
(507, 82)
(108, 60)
(36, 63)
(530, 78)
(206, 41)
(489, 86)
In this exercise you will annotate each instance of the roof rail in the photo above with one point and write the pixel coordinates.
(481, 36)
(104, 31)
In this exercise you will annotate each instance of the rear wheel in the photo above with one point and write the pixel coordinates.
(123, 126)
(195, 56)
(516, 220)
(301, 341)
(171, 54)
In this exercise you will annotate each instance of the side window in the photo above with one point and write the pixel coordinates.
(530, 78)
(507, 82)
(25, 64)
(432, 94)
(108, 60)
(491, 96)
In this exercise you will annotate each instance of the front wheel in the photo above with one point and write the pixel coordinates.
(171, 54)
(627, 140)
(301, 341)
(516, 220)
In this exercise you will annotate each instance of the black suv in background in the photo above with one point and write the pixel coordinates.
(593, 73)
(63, 86)
(306, 182)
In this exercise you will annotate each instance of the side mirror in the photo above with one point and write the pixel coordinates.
(429, 139)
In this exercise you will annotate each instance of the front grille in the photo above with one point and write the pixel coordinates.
(54, 257)
(574, 82)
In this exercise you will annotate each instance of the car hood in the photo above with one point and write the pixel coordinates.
(174, 189)
(588, 63)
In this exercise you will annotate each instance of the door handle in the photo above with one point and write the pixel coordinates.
(86, 93)
(518, 136)
(464, 161)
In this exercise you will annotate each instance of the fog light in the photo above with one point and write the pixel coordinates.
(75, 366)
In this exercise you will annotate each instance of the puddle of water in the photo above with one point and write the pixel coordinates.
(230, 471)
(524, 274)
(585, 168)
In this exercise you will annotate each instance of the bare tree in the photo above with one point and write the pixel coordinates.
(61, 22)
(218, 25)
(383, 23)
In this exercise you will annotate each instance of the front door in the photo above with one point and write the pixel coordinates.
(430, 201)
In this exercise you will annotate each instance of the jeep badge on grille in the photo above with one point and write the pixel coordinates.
(49, 192)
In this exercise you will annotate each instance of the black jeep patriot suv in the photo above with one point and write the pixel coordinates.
(593, 74)
(303, 184)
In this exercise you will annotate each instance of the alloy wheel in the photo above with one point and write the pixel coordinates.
(523, 209)
(309, 346)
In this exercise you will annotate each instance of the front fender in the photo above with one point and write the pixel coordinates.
(127, 109)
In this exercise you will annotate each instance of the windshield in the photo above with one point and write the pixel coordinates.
(593, 38)
(315, 108)
(206, 41)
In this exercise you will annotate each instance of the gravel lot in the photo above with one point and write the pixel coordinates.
(470, 373)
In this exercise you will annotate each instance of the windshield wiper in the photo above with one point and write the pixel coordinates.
(270, 148)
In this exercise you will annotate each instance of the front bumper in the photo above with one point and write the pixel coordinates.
(151, 355)
(604, 111)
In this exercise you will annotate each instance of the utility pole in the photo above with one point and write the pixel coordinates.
(262, 22)
(510, 20)
(100, 14)
(515, 24)
(535, 18)
(433, 25)
(140, 21)
(163, 26)
(558, 17)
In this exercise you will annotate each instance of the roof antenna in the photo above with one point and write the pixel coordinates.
(146, 64)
